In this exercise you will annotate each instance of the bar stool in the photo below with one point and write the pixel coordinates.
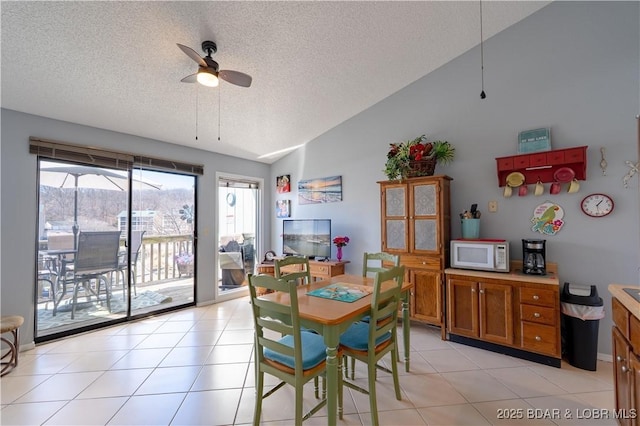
(11, 324)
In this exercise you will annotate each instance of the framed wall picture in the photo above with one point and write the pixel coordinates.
(320, 190)
(283, 208)
(283, 184)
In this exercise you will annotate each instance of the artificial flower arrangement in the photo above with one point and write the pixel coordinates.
(417, 157)
(341, 241)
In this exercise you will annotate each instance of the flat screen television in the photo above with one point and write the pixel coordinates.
(307, 237)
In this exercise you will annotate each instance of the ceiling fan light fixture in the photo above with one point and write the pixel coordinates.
(207, 77)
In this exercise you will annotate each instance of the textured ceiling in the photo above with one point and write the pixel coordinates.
(116, 66)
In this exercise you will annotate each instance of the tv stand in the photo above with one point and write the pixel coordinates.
(320, 269)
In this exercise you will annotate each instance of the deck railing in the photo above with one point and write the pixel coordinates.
(157, 258)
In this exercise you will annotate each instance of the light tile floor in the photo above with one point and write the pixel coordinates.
(194, 367)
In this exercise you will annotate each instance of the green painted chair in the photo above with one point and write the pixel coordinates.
(378, 262)
(296, 358)
(302, 274)
(373, 263)
(369, 342)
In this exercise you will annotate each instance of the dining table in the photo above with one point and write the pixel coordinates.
(331, 318)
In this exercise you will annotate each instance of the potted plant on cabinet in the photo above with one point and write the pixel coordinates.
(417, 157)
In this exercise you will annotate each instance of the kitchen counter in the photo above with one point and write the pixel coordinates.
(632, 305)
(515, 274)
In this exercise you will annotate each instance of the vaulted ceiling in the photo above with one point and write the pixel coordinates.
(116, 66)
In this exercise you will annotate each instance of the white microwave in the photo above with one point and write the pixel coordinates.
(482, 255)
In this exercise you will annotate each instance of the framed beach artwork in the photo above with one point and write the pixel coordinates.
(283, 208)
(283, 184)
(320, 190)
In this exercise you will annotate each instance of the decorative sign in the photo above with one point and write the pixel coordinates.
(534, 140)
(547, 218)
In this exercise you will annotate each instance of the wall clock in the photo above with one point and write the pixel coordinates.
(596, 205)
(269, 256)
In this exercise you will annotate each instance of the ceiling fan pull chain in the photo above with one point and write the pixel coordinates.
(219, 112)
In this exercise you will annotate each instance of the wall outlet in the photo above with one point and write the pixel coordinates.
(493, 206)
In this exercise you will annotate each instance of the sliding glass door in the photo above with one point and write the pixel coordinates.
(238, 223)
(112, 244)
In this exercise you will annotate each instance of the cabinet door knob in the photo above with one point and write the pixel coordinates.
(473, 290)
(538, 339)
(536, 297)
(619, 358)
(424, 263)
(623, 369)
(482, 291)
(536, 314)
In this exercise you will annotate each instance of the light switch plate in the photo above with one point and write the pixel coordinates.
(493, 206)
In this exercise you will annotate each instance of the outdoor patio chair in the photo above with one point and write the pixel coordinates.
(231, 266)
(134, 245)
(95, 259)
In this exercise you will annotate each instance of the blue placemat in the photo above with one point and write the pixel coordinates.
(342, 292)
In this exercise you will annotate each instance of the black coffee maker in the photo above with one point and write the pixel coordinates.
(533, 257)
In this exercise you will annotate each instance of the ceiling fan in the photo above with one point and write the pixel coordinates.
(208, 73)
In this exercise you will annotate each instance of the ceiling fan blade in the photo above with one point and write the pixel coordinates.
(192, 54)
(235, 77)
(190, 78)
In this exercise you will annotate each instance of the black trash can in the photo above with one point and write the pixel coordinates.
(582, 310)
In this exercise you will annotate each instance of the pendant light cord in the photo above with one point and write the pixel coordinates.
(482, 94)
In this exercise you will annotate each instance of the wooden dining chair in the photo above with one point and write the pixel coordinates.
(293, 268)
(369, 342)
(378, 262)
(372, 264)
(295, 358)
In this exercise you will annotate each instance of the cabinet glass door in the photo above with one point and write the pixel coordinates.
(424, 206)
(395, 220)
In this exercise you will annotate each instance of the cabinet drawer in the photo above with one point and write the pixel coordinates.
(319, 270)
(540, 338)
(505, 163)
(537, 296)
(538, 314)
(420, 262)
(634, 335)
(574, 155)
(555, 157)
(537, 160)
(521, 162)
(620, 317)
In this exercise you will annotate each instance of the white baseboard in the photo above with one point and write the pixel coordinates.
(605, 357)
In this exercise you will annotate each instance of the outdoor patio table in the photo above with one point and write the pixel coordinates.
(331, 318)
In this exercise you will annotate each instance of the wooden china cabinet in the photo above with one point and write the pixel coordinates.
(416, 224)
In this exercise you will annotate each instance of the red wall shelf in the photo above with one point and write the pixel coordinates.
(542, 165)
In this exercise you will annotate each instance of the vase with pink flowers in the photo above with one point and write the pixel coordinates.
(340, 241)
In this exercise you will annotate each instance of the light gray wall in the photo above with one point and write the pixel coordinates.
(573, 67)
(19, 207)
